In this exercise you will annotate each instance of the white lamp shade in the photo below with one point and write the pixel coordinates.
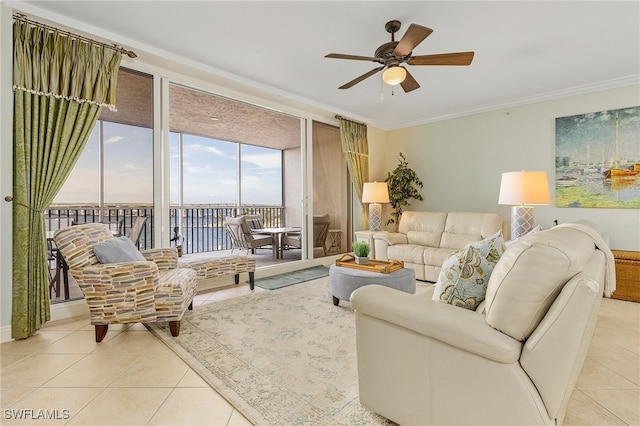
(394, 75)
(523, 187)
(375, 192)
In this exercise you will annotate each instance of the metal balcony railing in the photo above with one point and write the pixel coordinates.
(202, 227)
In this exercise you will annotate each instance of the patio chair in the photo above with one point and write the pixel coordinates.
(241, 236)
(136, 229)
(320, 232)
(122, 284)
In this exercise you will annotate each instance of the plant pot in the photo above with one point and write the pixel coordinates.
(362, 260)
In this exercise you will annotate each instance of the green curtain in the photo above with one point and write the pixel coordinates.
(60, 85)
(356, 152)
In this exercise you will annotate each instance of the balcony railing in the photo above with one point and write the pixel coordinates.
(202, 228)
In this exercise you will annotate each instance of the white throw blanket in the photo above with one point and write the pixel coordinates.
(610, 268)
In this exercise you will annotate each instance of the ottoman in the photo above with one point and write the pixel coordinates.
(344, 281)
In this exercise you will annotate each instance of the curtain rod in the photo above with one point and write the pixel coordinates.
(339, 117)
(23, 18)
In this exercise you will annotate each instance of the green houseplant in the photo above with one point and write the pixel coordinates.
(402, 182)
(361, 252)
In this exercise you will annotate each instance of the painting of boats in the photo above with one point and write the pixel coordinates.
(598, 159)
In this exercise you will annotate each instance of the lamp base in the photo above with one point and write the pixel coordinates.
(375, 216)
(522, 220)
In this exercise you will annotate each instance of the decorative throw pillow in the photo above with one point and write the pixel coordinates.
(115, 250)
(465, 274)
(254, 223)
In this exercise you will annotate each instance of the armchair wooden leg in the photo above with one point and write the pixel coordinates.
(101, 331)
(236, 278)
(190, 306)
(174, 326)
(251, 280)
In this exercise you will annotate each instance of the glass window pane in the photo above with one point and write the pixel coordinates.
(209, 168)
(82, 187)
(261, 172)
(174, 169)
(128, 164)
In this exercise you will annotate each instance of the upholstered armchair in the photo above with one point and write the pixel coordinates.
(122, 284)
(320, 232)
(241, 234)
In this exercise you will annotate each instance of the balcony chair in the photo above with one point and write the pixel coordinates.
(138, 226)
(122, 284)
(320, 232)
(241, 236)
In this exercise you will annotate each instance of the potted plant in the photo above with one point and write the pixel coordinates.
(361, 252)
(401, 183)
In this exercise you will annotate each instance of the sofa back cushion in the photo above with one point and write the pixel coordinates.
(423, 228)
(464, 228)
(530, 275)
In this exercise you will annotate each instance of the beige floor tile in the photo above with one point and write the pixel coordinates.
(582, 411)
(624, 403)
(37, 369)
(122, 406)
(193, 406)
(71, 324)
(132, 342)
(35, 343)
(238, 419)
(192, 380)
(77, 342)
(93, 370)
(605, 345)
(9, 396)
(597, 376)
(153, 370)
(58, 404)
(626, 366)
(8, 359)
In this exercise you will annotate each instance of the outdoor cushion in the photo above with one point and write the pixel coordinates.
(116, 250)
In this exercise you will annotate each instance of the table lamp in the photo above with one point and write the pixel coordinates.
(375, 193)
(518, 189)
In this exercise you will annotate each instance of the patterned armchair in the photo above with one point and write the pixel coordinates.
(149, 290)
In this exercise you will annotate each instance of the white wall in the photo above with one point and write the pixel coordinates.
(461, 161)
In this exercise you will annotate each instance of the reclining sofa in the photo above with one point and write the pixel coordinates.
(426, 239)
(513, 361)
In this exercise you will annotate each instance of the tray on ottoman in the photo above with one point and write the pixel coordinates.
(349, 260)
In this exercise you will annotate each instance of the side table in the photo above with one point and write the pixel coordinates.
(334, 238)
(366, 236)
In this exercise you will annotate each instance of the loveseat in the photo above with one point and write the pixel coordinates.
(514, 360)
(425, 239)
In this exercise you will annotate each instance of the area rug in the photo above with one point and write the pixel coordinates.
(286, 357)
(291, 278)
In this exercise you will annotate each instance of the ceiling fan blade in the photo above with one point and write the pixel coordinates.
(355, 57)
(459, 58)
(413, 37)
(409, 83)
(362, 77)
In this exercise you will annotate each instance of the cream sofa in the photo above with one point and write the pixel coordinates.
(513, 361)
(426, 239)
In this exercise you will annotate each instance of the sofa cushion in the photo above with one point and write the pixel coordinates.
(530, 275)
(465, 275)
(116, 250)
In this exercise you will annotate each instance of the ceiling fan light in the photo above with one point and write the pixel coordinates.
(394, 75)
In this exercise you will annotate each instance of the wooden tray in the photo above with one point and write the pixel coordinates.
(349, 260)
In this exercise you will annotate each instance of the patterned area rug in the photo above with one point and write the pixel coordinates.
(286, 357)
(291, 278)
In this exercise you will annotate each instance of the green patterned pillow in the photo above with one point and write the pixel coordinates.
(464, 276)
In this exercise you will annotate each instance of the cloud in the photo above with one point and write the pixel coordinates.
(196, 147)
(114, 139)
(271, 160)
(197, 170)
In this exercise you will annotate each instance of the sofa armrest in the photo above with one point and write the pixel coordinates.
(458, 327)
(391, 238)
(165, 258)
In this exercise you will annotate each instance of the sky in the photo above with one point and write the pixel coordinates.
(209, 170)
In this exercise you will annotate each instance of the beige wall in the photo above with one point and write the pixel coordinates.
(461, 161)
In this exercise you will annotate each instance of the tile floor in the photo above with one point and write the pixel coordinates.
(134, 379)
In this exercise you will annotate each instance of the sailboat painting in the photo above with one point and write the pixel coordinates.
(598, 159)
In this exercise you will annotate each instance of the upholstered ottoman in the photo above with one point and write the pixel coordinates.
(214, 267)
(344, 281)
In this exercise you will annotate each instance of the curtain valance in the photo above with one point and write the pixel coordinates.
(56, 65)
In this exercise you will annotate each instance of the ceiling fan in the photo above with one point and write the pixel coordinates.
(394, 53)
